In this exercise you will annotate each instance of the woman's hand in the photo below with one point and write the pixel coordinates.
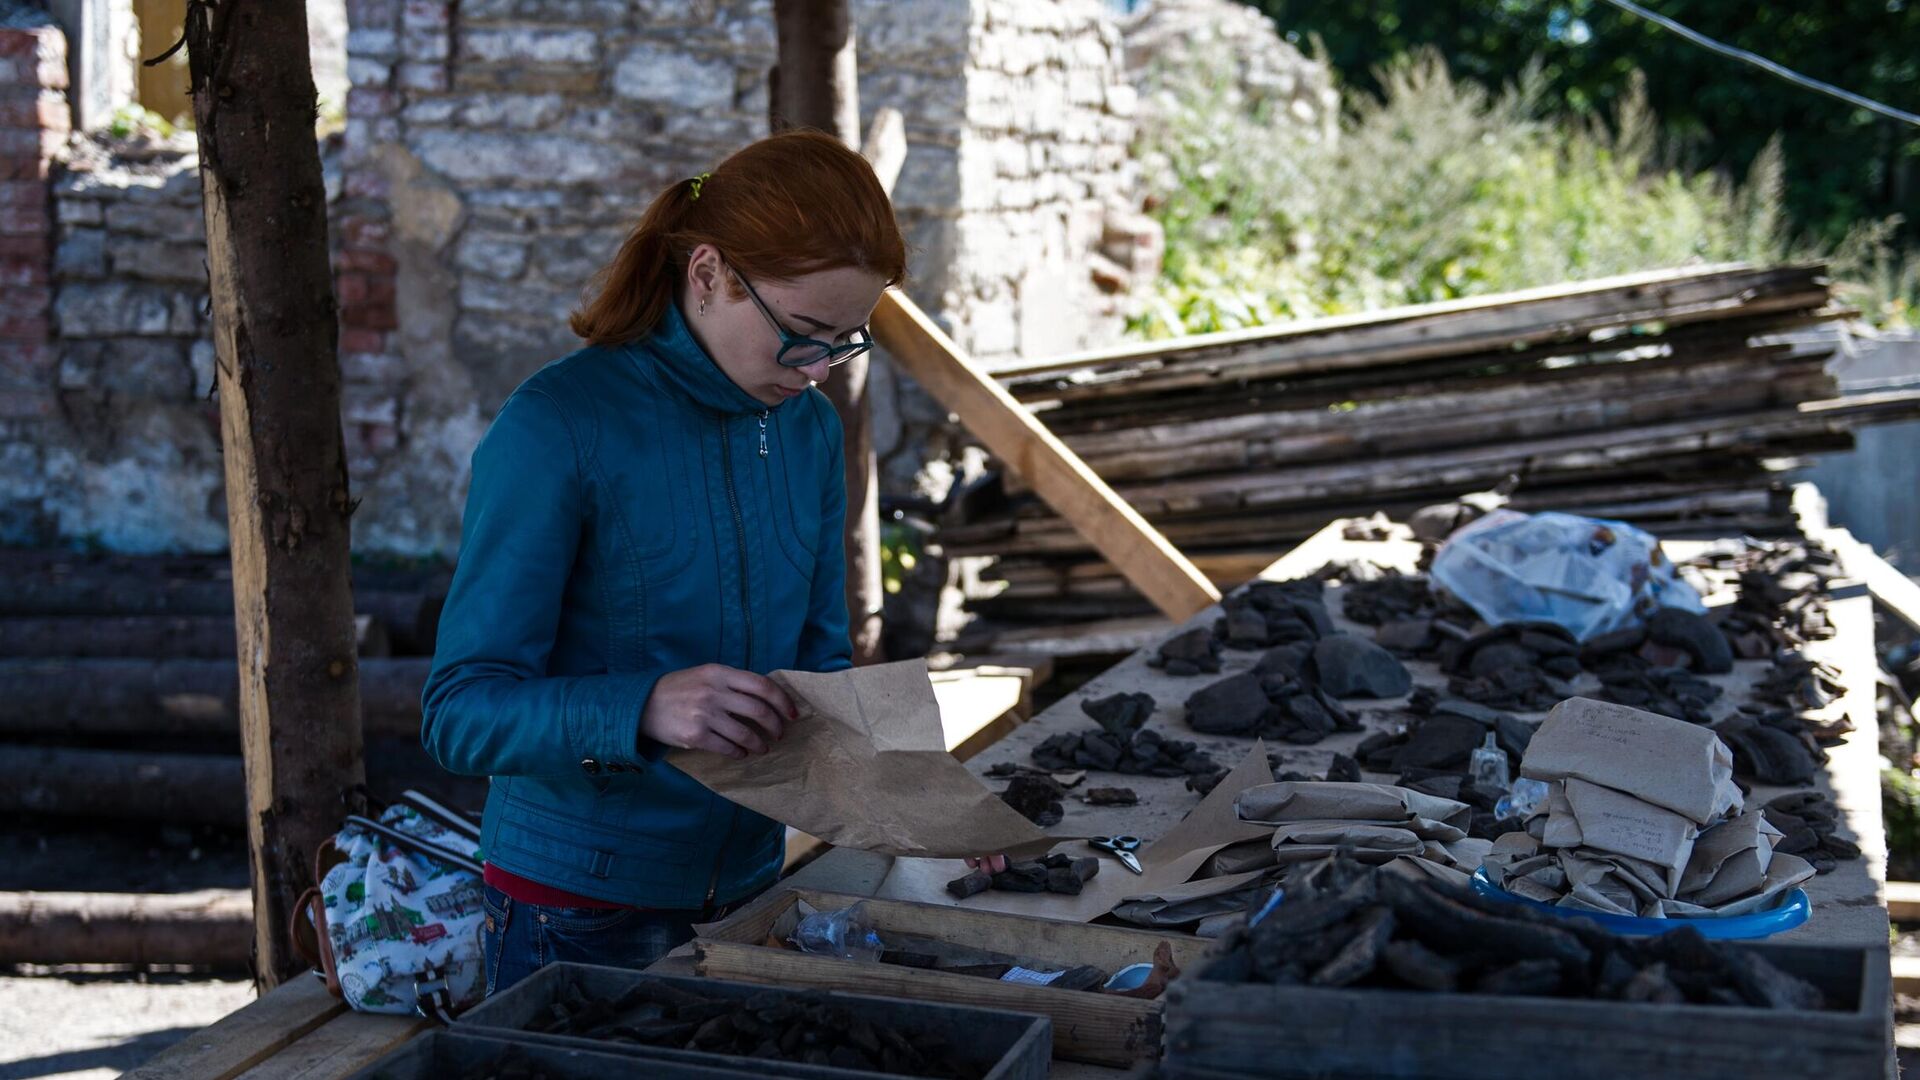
(717, 708)
(992, 864)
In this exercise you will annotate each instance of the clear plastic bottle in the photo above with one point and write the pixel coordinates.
(1527, 797)
(1488, 767)
(844, 933)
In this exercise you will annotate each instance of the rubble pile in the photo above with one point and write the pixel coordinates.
(1062, 874)
(1351, 925)
(1524, 667)
(801, 1026)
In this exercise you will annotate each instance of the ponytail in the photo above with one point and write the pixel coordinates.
(787, 205)
(631, 293)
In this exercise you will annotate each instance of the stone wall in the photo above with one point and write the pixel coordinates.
(495, 154)
(134, 463)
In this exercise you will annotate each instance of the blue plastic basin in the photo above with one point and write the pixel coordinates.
(1792, 910)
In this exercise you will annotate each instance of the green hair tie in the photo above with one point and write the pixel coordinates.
(697, 181)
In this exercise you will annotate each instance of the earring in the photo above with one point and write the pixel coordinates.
(703, 305)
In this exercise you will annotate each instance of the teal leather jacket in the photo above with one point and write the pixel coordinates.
(632, 513)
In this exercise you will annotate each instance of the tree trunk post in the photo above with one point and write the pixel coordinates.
(815, 84)
(288, 507)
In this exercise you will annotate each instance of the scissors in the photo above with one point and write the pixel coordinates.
(1122, 848)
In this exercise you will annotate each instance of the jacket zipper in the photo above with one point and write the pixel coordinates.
(740, 538)
(763, 433)
(746, 612)
(713, 881)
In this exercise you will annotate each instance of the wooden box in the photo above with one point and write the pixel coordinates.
(1237, 1029)
(448, 1055)
(1098, 1028)
(997, 1045)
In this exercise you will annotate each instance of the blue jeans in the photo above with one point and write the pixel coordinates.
(522, 938)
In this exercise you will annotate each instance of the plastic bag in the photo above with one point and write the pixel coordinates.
(1586, 574)
(844, 933)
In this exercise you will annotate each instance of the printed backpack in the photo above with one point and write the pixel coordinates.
(394, 924)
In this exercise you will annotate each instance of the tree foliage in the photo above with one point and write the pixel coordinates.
(1842, 164)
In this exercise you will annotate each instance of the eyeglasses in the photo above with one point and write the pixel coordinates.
(797, 351)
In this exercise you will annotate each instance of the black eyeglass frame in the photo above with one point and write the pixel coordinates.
(860, 341)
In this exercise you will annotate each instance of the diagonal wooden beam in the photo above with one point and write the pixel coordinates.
(1056, 473)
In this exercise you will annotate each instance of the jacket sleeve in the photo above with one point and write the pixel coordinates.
(489, 707)
(824, 644)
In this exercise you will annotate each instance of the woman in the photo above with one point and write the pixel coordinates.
(654, 523)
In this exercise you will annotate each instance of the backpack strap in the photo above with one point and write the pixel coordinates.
(452, 819)
(423, 847)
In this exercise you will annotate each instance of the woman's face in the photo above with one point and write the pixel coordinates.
(827, 305)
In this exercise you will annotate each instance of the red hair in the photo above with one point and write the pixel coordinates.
(791, 204)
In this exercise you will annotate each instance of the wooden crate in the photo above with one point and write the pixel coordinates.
(1238, 1030)
(1097, 1028)
(998, 1045)
(445, 1055)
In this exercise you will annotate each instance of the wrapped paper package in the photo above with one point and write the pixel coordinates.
(1669, 763)
(1619, 832)
(1377, 823)
(865, 766)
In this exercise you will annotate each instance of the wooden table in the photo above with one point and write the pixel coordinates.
(297, 1031)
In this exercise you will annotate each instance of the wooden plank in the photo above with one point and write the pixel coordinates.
(1055, 941)
(1906, 974)
(1609, 289)
(247, 1036)
(1361, 348)
(1114, 528)
(340, 1047)
(1903, 901)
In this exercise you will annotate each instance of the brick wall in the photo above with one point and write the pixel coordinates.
(33, 127)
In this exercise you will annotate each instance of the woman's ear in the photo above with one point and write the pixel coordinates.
(704, 270)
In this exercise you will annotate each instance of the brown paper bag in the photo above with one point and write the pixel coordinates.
(865, 766)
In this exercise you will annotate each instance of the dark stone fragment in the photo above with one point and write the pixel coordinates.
(972, 884)
(1245, 629)
(1344, 770)
(1111, 796)
(1349, 666)
(1561, 667)
(1233, 706)
(1120, 714)
(1496, 658)
(1183, 667)
(1420, 967)
(1528, 978)
(1286, 660)
(1099, 750)
(1546, 640)
(1361, 954)
(1440, 787)
(1618, 641)
(1698, 637)
(1440, 742)
(1196, 646)
(1036, 798)
(1406, 636)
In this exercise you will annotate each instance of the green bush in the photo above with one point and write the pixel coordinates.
(1436, 189)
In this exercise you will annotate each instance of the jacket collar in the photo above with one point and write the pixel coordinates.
(685, 367)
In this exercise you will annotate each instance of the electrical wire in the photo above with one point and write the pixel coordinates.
(1766, 65)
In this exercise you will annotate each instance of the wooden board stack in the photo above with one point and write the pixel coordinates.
(1658, 398)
